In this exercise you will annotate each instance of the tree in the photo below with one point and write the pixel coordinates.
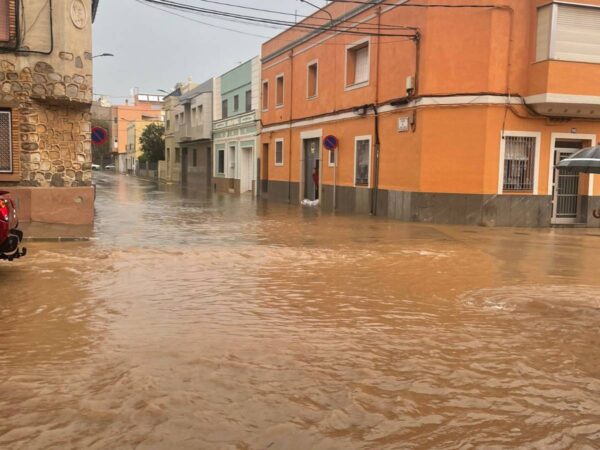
(152, 142)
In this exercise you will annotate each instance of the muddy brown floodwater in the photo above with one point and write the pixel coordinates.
(212, 322)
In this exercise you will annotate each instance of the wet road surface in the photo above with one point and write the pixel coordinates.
(212, 322)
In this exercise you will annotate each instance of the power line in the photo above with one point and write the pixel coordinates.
(261, 21)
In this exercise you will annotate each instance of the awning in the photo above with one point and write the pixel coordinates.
(583, 161)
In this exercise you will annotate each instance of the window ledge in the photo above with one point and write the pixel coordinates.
(279, 164)
(312, 97)
(10, 176)
(351, 87)
(279, 106)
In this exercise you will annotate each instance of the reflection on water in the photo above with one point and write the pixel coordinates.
(192, 321)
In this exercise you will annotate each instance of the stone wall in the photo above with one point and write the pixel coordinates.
(51, 112)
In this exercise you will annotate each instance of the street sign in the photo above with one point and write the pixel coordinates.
(330, 142)
(99, 135)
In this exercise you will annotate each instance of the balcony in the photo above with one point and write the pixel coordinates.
(565, 89)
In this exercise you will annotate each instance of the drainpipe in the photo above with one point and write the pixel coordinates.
(290, 123)
(375, 191)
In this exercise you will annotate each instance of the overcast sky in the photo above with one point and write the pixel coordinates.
(154, 50)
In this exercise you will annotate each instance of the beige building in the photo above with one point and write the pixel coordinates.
(45, 100)
(188, 135)
(134, 150)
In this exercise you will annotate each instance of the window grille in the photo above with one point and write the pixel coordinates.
(6, 153)
(363, 158)
(519, 157)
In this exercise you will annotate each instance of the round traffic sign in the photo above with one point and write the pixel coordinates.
(99, 135)
(330, 142)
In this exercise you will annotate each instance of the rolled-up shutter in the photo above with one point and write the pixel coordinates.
(4, 21)
(577, 35)
(544, 25)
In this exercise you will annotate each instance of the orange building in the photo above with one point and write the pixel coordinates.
(143, 108)
(445, 111)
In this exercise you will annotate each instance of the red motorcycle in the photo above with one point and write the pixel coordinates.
(10, 236)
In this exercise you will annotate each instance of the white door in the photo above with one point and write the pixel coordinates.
(247, 170)
(565, 184)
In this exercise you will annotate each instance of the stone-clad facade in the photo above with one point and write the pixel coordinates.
(46, 92)
(50, 123)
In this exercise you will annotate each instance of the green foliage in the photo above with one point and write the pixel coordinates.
(152, 142)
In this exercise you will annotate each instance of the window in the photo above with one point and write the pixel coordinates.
(357, 64)
(312, 80)
(569, 33)
(6, 153)
(168, 155)
(265, 95)
(362, 157)
(194, 112)
(225, 112)
(199, 116)
(6, 21)
(177, 155)
(221, 161)
(519, 163)
(279, 91)
(168, 124)
(236, 103)
(195, 157)
(279, 152)
(248, 101)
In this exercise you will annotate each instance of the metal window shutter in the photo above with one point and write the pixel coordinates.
(544, 25)
(362, 65)
(4, 22)
(577, 34)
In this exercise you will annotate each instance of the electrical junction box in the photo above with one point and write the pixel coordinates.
(403, 124)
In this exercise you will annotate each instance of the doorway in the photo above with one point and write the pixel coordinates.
(566, 199)
(184, 166)
(264, 176)
(232, 164)
(312, 167)
(246, 170)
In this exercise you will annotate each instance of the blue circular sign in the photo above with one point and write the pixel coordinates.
(99, 135)
(330, 142)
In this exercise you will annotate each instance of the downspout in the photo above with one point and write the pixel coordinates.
(290, 124)
(375, 191)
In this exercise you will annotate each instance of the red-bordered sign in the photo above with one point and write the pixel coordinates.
(99, 135)
(330, 142)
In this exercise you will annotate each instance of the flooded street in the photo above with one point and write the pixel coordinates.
(215, 322)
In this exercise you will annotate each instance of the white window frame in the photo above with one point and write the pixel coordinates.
(349, 87)
(277, 78)
(536, 160)
(217, 150)
(314, 62)
(262, 94)
(331, 163)
(282, 152)
(557, 136)
(356, 139)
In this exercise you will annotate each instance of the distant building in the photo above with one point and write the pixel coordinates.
(450, 114)
(45, 100)
(134, 150)
(188, 135)
(145, 107)
(236, 128)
